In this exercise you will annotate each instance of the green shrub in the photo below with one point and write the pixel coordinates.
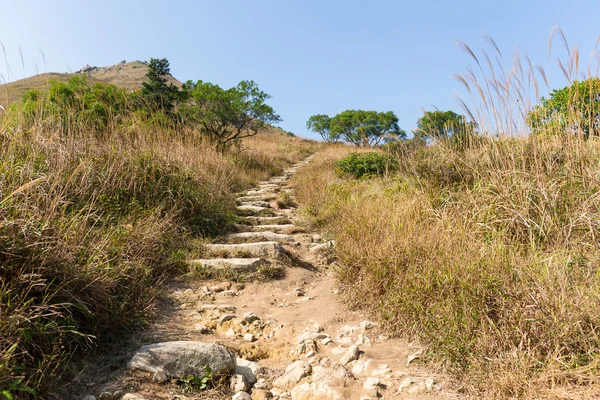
(361, 165)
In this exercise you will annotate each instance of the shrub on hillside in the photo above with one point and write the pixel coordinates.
(370, 164)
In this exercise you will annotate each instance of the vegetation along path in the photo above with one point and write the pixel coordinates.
(286, 338)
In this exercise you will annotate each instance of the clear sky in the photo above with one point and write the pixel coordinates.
(312, 56)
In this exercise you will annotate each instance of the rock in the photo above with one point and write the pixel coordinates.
(405, 384)
(274, 228)
(225, 318)
(363, 340)
(228, 264)
(308, 348)
(311, 336)
(230, 333)
(241, 396)
(177, 359)
(293, 374)
(316, 391)
(160, 377)
(371, 387)
(429, 384)
(249, 317)
(411, 357)
(318, 328)
(249, 369)
(260, 249)
(239, 383)
(88, 397)
(131, 396)
(202, 328)
(366, 325)
(419, 388)
(108, 395)
(261, 394)
(281, 219)
(270, 236)
(217, 307)
(351, 355)
(248, 337)
(317, 248)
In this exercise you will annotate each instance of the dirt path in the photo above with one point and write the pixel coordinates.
(296, 323)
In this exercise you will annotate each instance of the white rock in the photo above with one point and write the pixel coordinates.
(201, 328)
(429, 384)
(249, 317)
(311, 336)
(88, 397)
(177, 359)
(229, 264)
(239, 383)
(225, 318)
(293, 374)
(405, 384)
(371, 386)
(131, 396)
(351, 355)
(366, 325)
(241, 396)
(318, 328)
(160, 377)
(249, 369)
(230, 333)
(270, 236)
(248, 337)
(411, 357)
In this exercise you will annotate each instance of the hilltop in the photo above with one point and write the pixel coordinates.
(126, 75)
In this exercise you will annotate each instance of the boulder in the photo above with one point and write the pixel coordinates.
(293, 374)
(177, 359)
(249, 369)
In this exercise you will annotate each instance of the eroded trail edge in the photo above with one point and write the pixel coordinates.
(287, 338)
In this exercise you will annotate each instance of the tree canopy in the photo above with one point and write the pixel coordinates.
(362, 128)
(574, 109)
(155, 90)
(442, 124)
(227, 114)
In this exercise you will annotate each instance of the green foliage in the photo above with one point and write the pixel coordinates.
(572, 109)
(321, 124)
(366, 128)
(443, 125)
(158, 94)
(370, 164)
(226, 115)
(194, 383)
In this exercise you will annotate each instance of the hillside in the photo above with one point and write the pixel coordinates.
(127, 75)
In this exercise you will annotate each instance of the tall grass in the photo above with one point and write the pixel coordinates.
(486, 253)
(94, 214)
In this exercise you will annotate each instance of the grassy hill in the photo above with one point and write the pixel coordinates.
(126, 75)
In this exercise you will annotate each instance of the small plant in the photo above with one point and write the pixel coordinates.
(194, 383)
(370, 164)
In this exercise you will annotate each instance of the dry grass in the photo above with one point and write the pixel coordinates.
(486, 252)
(90, 224)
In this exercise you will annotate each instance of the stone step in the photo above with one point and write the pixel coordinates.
(253, 210)
(274, 228)
(280, 219)
(259, 249)
(263, 204)
(261, 192)
(267, 197)
(229, 264)
(261, 236)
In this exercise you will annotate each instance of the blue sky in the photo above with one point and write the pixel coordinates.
(312, 56)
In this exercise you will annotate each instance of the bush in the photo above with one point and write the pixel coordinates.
(370, 164)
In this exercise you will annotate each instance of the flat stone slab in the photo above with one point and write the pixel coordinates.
(252, 209)
(264, 197)
(258, 203)
(230, 264)
(281, 219)
(262, 236)
(259, 192)
(259, 249)
(181, 358)
(274, 228)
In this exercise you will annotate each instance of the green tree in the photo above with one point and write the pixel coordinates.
(321, 124)
(443, 124)
(574, 109)
(366, 128)
(159, 94)
(225, 115)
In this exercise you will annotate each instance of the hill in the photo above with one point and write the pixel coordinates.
(127, 75)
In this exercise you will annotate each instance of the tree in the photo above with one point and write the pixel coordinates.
(321, 124)
(574, 108)
(443, 124)
(365, 128)
(225, 115)
(158, 94)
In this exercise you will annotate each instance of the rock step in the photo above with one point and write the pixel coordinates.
(261, 236)
(255, 204)
(280, 219)
(259, 249)
(261, 191)
(230, 264)
(274, 228)
(267, 197)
